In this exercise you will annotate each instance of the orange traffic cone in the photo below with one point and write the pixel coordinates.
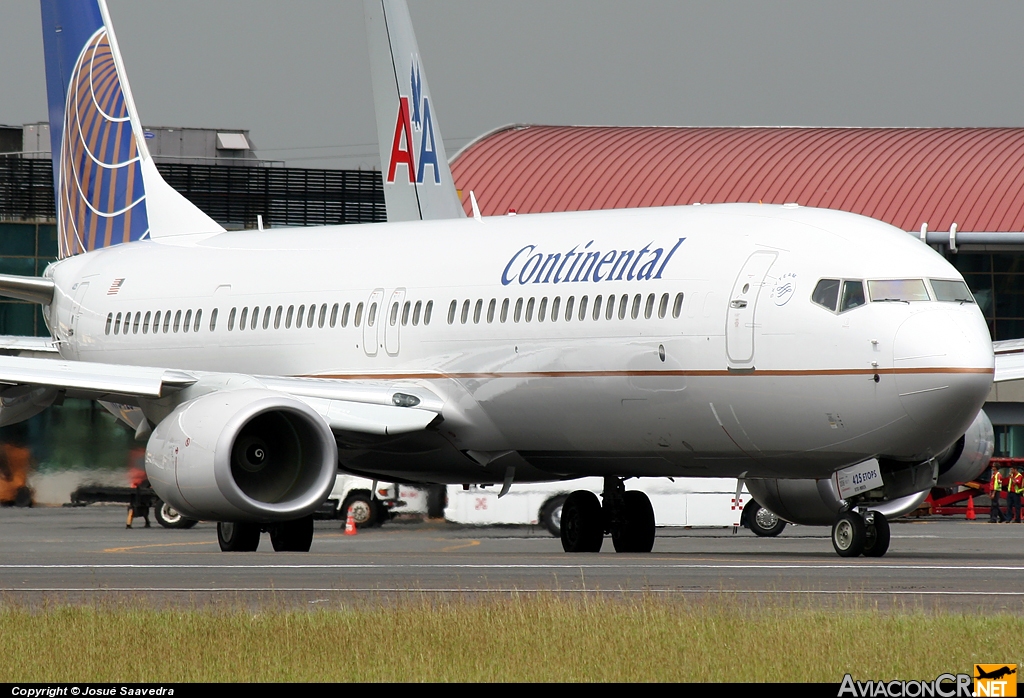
(970, 508)
(350, 525)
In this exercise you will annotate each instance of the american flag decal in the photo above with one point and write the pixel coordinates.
(115, 287)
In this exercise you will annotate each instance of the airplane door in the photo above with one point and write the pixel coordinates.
(393, 322)
(739, 329)
(373, 319)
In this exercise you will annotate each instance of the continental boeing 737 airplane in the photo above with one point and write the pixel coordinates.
(833, 363)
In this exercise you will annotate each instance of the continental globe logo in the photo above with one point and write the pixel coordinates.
(101, 194)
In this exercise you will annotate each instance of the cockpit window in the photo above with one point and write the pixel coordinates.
(951, 291)
(826, 293)
(905, 290)
(853, 295)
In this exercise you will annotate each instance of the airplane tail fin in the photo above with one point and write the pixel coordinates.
(418, 183)
(107, 187)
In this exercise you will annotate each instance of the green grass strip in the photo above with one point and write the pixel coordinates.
(528, 638)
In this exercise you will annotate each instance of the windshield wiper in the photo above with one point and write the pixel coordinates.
(889, 300)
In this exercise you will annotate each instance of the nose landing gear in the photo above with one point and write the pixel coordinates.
(628, 516)
(854, 534)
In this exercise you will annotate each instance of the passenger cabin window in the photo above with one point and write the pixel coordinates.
(213, 320)
(344, 315)
(554, 308)
(542, 309)
(167, 321)
(358, 316)
(517, 316)
(465, 312)
(826, 294)
(145, 322)
(853, 295)
(188, 320)
(623, 306)
(110, 321)
(405, 314)
(241, 319)
(677, 306)
(231, 321)
(199, 320)
(569, 302)
(428, 309)
(901, 290)
(177, 321)
(371, 315)
(451, 312)
(156, 322)
(663, 306)
(490, 309)
(477, 310)
(277, 317)
(334, 316)
(951, 291)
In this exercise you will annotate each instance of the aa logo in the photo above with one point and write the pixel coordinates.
(995, 680)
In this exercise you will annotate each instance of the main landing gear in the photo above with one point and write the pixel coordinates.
(854, 534)
(628, 516)
(285, 536)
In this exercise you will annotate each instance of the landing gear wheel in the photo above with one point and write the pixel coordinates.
(292, 536)
(363, 511)
(877, 539)
(636, 533)
(582, 528)
(238, 537)
(849, 534)
(763, 522)
(551, 515)
(169, 517)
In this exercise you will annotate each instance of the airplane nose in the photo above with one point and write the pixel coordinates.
(943, 366)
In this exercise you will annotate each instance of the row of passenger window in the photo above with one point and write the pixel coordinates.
(827, 295)
(528, 309)
(262, 316)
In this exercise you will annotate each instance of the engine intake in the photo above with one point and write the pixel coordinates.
(243, 455)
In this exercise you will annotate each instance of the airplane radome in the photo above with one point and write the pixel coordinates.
(832, 362)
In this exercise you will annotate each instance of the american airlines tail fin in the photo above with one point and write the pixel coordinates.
(107, 187)
(418, 183)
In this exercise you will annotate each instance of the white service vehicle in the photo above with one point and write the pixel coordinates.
(371, 503)
(692, 502)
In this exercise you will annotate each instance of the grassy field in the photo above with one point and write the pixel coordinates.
(528, 638)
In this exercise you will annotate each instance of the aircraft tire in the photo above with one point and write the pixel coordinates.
(169, 517)
(763, 522)
(849, 534)
(238, 537)
(582, 529)
(551, 515)
(876, 543)
(637, 535)
(292, 536)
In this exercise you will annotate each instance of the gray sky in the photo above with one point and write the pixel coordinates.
(296, 73)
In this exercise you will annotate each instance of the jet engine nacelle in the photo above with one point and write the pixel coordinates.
(251, 455)
(22, 402)
(969, 456)
(816, 502)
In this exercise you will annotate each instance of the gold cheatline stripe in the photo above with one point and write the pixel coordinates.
(652, 374)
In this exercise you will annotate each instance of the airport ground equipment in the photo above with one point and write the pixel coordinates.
(370, 503)
(693, 502)
(141, 496)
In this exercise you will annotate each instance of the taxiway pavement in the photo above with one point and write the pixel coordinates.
(85, 555)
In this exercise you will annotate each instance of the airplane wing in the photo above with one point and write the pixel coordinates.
(1009, 360)
(361, 407)
(17, 345)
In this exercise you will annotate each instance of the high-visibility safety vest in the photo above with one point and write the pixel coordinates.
(1017, 484)
(997, 481)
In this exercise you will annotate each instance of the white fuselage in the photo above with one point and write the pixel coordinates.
(744, 375)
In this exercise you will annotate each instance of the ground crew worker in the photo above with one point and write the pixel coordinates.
(1014, 489)
(995, 510)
